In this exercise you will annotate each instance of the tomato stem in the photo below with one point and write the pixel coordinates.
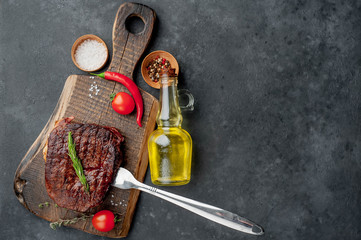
(116, 219)
(112, 96)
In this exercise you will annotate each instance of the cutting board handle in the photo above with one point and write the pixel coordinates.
(129, 47)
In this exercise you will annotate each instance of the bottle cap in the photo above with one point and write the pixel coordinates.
(168, 72)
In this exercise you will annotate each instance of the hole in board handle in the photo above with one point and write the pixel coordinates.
(134, 24)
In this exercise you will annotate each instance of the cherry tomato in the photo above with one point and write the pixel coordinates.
(123, 103)
(103, 221)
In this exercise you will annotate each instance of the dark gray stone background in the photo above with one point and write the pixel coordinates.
(276, 125)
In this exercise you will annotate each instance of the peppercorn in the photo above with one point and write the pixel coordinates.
(156, 66)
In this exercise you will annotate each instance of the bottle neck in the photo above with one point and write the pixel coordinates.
(169, 114)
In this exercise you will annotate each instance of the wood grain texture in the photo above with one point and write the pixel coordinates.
(80, 99)
(127, 47)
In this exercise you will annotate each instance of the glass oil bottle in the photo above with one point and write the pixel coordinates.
(170, 146)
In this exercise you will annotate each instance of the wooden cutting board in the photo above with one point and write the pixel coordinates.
(87, 99)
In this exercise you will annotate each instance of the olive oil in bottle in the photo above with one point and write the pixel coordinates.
(169, 146)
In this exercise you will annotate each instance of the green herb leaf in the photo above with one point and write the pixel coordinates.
(77, 163)
(44, 204)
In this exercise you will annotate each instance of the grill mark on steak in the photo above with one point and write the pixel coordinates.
(99, 150)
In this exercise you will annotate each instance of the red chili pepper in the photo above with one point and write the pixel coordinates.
(130, 85)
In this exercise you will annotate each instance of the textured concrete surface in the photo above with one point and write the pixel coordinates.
(276, 126)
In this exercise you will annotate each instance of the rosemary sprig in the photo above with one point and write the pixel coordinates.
(65, 222)
(77, 163)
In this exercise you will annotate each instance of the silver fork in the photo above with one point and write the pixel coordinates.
(125, 180)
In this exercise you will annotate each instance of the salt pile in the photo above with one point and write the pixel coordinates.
(90, 55)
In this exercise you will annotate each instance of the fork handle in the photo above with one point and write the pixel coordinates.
(212, 213)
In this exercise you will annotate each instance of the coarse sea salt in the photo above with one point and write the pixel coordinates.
(90, 55)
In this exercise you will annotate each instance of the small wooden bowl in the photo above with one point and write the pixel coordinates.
(79, 41)
(151, 56)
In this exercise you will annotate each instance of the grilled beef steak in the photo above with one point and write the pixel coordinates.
(99, 150)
